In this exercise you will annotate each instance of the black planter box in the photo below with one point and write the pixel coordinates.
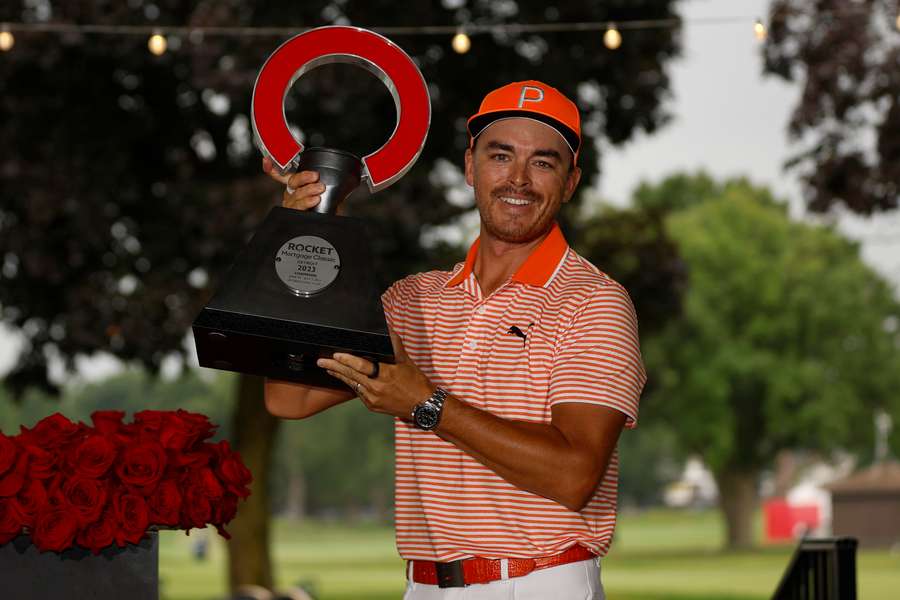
(129, 573)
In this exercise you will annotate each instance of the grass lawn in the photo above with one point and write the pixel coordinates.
(659, 555)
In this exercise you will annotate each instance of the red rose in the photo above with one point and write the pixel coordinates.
(93, 456)
(32, 499)
(100, 534)
(183, 429)
(234, 474)
(51, 432)
(141, 466)
(165, 504)
(10, 523)
(56, 498)
(224, 512)
(87, 497)
(147, 421)
(199, 458)
(11, 482)
(133, 516)
(210, 484)
(70, 483)
(226, 509)
(8, 453)
(107, 421)
(54, 530)
(41, 463)
(196, 509)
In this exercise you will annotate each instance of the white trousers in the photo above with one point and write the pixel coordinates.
(573, 581)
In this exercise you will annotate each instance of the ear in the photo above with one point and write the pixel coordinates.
(470, 168)
(572, 180)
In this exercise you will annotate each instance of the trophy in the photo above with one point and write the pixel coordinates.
(304, 286)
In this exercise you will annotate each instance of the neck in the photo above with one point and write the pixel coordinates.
(496, 261)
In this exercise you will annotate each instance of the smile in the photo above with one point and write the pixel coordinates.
(515, 201)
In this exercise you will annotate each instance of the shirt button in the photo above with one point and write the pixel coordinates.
(473, 345)
(479, 310)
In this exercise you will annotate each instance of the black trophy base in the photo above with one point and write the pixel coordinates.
(257, 323)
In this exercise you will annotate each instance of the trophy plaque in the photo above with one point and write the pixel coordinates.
(304, 286)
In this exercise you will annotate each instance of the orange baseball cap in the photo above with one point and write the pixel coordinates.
(531, 100)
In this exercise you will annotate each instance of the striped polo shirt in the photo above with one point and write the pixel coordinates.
(577, 341)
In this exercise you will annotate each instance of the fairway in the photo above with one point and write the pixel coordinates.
(658, 555)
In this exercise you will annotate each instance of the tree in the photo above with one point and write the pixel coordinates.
(632, 246)
(848, 117)
(786, 340)
(132, 181)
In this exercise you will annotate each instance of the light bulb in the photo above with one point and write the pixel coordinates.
(898, 22)
(6, 40)
(461, 43)
(759, 30)
(157, 43)
(612, 39)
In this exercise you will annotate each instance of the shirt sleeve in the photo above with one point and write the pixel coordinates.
(389, 301)
(598, 358)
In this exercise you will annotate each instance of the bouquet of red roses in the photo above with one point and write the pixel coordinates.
(67, 483)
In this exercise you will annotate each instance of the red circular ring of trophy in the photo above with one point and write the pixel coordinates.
(355, 46)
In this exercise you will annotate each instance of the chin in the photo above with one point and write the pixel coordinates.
(519, 235)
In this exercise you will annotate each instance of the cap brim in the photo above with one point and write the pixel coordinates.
(479, 123)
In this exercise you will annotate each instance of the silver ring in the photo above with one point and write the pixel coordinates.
(289, 189)
(357, 387)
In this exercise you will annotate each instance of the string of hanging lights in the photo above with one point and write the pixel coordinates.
(460, 41)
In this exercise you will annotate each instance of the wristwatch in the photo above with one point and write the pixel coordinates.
(427, 414)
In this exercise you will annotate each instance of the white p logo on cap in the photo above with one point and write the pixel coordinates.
(524, 97)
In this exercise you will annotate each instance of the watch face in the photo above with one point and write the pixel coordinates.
(426, 416)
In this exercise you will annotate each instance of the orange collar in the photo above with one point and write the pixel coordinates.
(537, 268)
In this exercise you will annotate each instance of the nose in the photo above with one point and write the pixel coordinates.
(518, 173)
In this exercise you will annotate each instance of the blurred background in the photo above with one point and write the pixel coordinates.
(741, 163)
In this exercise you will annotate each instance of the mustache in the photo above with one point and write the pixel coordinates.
(511, 191)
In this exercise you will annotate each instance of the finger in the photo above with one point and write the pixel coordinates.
(354, 385)
(268, 167)
(301, 178)
(330, 364)
(342, 369)
(303, 202)
(304, 197)
(357, 363)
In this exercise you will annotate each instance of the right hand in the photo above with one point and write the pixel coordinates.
(307, 187)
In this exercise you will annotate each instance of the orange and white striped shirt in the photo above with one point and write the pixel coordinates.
(578, 343)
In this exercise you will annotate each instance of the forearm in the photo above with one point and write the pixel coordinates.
(563, 460)
(532, 456)
(295, 401)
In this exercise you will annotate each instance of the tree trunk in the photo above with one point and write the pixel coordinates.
(249, 561)
(738, 501)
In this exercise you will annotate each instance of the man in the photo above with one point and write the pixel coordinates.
(516, 372)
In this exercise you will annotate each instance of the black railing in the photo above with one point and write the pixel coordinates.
(821, 569)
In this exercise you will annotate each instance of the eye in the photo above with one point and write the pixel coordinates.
(543, 164)
(500, 157)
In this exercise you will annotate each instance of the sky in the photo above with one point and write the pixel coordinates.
(728, 120)
(731, 120)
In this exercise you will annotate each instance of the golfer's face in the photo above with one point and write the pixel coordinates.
(520, 170)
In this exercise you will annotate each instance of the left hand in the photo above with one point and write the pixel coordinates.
(397, 389)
